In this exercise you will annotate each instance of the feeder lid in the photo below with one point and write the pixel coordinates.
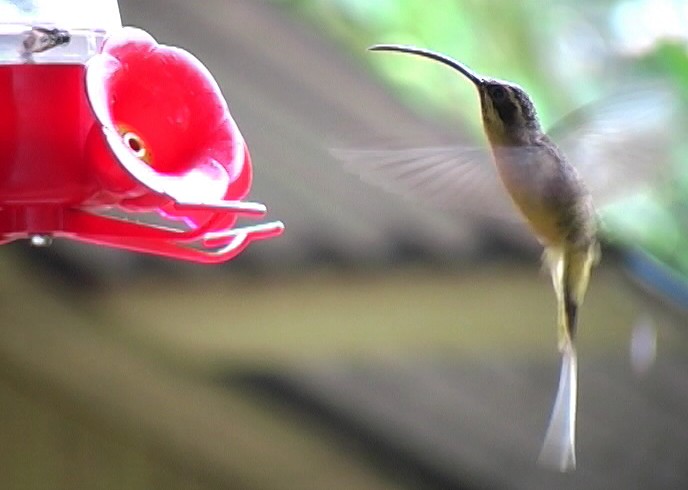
(87, 22)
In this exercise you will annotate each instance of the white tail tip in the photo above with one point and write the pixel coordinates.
(559, 449)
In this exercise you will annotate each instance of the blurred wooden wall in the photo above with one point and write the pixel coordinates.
(81, 408)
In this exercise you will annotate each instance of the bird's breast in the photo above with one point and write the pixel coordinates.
(539, 189)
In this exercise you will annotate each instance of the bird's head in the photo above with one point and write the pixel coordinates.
(509, 116)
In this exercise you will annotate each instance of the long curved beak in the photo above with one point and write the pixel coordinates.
(460, 67)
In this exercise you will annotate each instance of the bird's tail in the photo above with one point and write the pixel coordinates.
(570, 271)
(559, 449)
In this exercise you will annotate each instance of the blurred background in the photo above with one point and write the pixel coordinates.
(379, 343)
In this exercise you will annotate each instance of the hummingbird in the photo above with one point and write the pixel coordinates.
(555, 202)
(612, 147)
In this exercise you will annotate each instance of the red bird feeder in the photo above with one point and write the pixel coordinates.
(127, 144)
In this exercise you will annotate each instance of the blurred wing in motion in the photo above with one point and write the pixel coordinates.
(454, 178)
(621, 144)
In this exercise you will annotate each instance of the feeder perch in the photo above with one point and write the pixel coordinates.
(110, 138)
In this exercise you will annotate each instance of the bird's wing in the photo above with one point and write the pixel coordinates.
(622, 143)
(454, 178)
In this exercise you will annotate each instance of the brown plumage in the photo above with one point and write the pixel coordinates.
(557, 206)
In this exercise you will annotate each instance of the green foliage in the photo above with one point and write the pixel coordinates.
(658, 223)
(504, 42)
(564, 53)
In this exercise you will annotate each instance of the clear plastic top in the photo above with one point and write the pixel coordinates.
(102, 15)
(86, 21)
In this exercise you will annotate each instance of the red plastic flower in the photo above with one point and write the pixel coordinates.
(165, 143)
(135, 150)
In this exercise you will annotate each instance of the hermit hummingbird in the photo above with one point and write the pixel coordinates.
(545, 188)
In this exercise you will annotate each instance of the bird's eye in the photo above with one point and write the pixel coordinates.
(135, 144)
(498, 93)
